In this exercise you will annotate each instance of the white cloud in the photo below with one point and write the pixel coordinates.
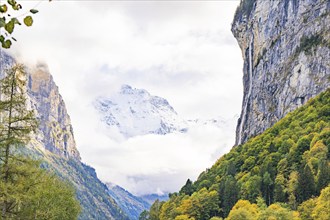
(180, 50)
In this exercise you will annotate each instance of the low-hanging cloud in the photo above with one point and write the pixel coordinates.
(182, 51)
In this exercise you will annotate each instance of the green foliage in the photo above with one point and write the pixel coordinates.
(26, 191)
(155, 210)
(187, 188)
(10, 18)
(144, 215)
(288, 163)
(316, 208)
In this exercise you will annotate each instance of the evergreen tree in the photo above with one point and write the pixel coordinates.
(155, 210)
(323, 175)
(267, 184)
(26, 191)
(144, 215)
(306, 184)
(279, 188)
(17, 123)
(230, 194)
(187, 188)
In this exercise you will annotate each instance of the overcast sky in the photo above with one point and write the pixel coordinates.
(180, 50)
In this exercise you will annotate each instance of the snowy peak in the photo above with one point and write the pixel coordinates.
(136, 112)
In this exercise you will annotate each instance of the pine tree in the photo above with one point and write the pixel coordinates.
(323, 175)
(230, 194)
(26, 191)
(306, 184)
(17, 123)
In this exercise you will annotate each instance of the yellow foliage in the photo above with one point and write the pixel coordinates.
(244, 210)
(184, 217)
(322, 209)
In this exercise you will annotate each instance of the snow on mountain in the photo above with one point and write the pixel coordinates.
(136, 112)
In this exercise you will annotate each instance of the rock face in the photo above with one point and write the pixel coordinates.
(54, 144)
(285, 47)
(54, 121)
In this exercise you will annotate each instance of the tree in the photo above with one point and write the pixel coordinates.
(244, 210)
(230, 194)
(322, 208)
(8, 22)
(292, 189)
(279, 188)
(306, 184)
(275, 211)
(144, 215)
(26, 191)
(267, 183)
(155, 210)
(323, 175)
(250, 189)
(306, 208)
(187, 188)
(16, 125)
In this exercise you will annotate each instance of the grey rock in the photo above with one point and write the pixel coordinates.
(285, 47)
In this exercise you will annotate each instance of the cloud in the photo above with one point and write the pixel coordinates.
(150, 163)
(180, 50)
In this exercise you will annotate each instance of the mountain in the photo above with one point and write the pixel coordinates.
(280, 166)
(151, 198)
(136, 112)
(288, 164)
(130, 204)
(54, 144)
(285, 47)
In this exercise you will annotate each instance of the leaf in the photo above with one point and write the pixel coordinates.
(10, 26)
(34, 11)
(28, 21)
(2, 22)
(3, 8)
(11, 2)
(6, 44)
(16, 21)
(2, 38)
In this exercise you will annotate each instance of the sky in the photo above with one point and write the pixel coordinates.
(183, 51)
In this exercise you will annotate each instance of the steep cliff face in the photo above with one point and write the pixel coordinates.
(54, 121)
(285, 47)
(54, 144)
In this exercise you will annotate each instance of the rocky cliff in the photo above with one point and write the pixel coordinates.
(54, 144)
(54, 121)
(285, 47)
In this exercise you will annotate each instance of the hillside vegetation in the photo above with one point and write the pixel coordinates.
(278, 174)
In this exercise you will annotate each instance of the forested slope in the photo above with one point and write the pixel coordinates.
(287, 165)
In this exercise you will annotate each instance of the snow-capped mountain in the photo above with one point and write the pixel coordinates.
(136, 112)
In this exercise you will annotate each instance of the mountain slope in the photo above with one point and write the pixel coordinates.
(136, 112)
(54, 144)
(130, 204)
(286, 50)
(288, 163)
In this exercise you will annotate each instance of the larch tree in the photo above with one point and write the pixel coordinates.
(26, 190)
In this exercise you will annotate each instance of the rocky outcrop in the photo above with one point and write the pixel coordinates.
(285, 47)
(54, 143)
(54, 121)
